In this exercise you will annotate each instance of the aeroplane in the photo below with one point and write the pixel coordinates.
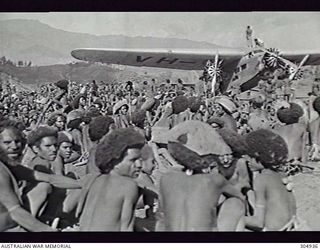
(235, 69)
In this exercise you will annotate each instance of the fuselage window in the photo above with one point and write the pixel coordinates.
(235, 78)
(243, 66)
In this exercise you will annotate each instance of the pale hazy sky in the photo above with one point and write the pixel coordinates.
(284, 30)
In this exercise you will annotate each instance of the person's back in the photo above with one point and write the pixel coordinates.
(189, 202)
(274, 208)
(258, 120)
(101, 211)
(293, 134)
(278, 214)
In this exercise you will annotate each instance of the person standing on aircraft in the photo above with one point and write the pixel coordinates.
(258, 42)
(249, 34)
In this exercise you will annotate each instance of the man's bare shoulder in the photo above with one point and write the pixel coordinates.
(124, 183)
(4, 171)
(218, 179)
(116, 179)
(117, 184)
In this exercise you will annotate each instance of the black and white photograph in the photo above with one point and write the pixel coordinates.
(159, 122)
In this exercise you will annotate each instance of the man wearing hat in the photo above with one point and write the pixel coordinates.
(120, 114)
(223, 109)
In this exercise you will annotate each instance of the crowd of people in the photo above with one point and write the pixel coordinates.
(115, 157)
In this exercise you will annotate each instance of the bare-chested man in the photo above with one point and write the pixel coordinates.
(148, 190)
(314, 127)
(109, 198)
(258, 118)
(188, 199)
(293, 132)
(275, 207)
(234, 168)
(13, 216)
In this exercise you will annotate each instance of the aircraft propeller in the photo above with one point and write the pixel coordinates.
(295, 73)
(215, 71)
(272, 58)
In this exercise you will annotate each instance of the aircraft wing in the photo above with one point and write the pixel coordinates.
(297, 56)
(161, 58)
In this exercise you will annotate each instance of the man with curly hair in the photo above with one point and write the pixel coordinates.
(57, 120)
(111, 196)
(189, 197)
(275, 205)
(234, 168)
(98, 128)
(43, 142)
(14, 215)
(180, 105)
(293, 132)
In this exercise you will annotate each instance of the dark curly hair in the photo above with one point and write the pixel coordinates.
(138, 117)
(75, 103)
(235, 141)
(35, 136)
(113, 147)
(93, 112)
(53, 118)
(16, 126)
(316, 104)
(180, 104)
(194, 104)
(290, 115)
(62, 84)
(267, 147)
(7, 123)
(99, 126)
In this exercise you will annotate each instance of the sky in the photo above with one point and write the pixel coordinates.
(283, 30)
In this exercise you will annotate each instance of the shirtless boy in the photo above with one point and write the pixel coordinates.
(275, 206)
(109, 198)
